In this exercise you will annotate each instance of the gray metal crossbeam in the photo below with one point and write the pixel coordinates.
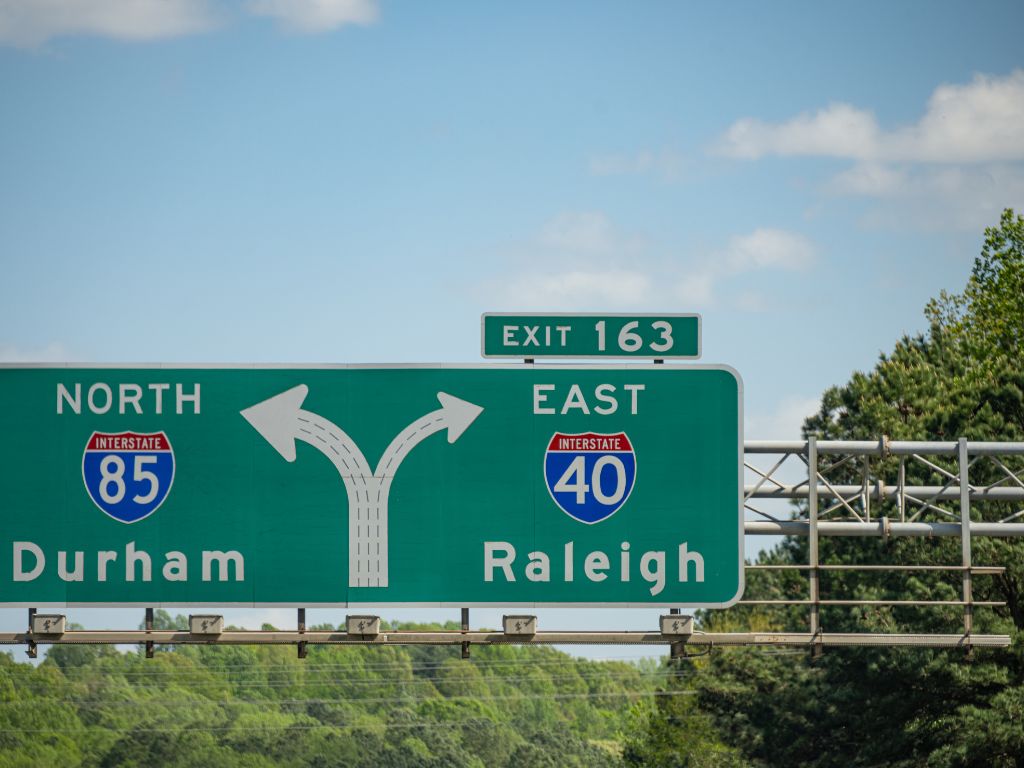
(881, 527)
(698, 639)
(885, 447)
(884, 492)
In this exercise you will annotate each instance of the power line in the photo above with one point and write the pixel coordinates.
(362, 684)
(311, 726)
(305, 667)
(346, 676)
(371, 681)
(99, 704)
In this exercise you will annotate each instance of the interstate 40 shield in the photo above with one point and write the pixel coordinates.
(589, 475)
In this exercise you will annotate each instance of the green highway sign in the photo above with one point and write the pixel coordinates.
(501, 484)
(527, 335)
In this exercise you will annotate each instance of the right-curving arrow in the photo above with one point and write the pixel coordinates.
(455, 415)
(281, 421)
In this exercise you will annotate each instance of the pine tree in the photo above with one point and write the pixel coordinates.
(900, 706)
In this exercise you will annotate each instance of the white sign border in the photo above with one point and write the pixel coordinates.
(646, 367)
(655, 356)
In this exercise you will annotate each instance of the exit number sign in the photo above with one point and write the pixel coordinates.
(589, 336)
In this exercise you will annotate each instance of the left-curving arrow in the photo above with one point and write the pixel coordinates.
(281, 421)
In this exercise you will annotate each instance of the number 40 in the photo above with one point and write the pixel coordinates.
(630, 341)
(573, 480)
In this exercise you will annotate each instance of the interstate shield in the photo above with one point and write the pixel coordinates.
(128, 474)
(590, 475)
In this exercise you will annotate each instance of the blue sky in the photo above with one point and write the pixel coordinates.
(356, 181)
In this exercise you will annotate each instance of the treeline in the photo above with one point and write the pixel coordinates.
(885, 706)
(342, 706)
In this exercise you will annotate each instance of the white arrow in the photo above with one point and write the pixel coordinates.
(281, 421)
(455, 415)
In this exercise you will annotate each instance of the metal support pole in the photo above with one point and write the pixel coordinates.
(32, 652)
(676, 650)
(149, 628)
(465, 629)
(303, 649)
(965, 534)
(812, 553)
(902, 498)
(866, 494)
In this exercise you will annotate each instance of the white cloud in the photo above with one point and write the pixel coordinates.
(584, 232)
(580, 261)
(762, 249)
(981, 121)
(955, 168)
(839, 130)
(769, 249)
(32, 22)
(943, 198)
(29, 23)
(314, 16)
(577, 261)
(784, 422)
(696, 289)
(666, 164)
(578, 290)
(54, 352)
(752, 302)
(869, 179)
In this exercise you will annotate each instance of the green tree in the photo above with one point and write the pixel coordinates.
(72, 657)
(676, 733)
(348, 706)
(899, 707)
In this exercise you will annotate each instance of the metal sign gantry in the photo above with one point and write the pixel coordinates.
(833, 508)
(976, 483)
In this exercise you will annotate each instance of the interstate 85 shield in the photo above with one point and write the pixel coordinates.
(128, 474)
(590, 475)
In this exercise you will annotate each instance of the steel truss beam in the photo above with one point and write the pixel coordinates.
(457, 638)
(883, 527)
(866, 459)
(885, 447)
(885, 492)
(833, 506)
